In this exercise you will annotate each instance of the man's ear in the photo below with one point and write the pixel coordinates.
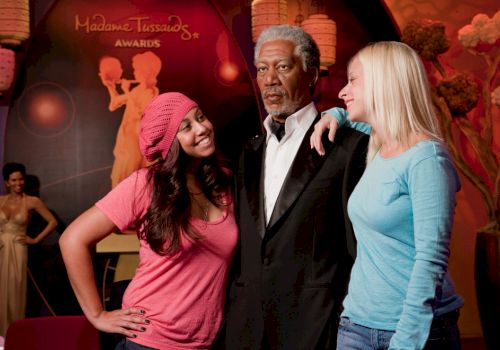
(314, 74)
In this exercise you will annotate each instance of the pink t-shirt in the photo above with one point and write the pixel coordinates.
(183, 295)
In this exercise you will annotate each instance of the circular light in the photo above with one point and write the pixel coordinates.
(46, 109)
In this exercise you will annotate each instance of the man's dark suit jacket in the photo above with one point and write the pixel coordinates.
(291, 275)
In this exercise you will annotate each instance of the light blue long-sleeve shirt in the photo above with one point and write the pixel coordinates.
(340, 114)
(402, 213)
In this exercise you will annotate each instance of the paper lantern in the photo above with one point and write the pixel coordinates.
(324, 32)
(7, 63)
(266, 13)
(14, 21)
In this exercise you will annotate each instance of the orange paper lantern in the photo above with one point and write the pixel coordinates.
(7, 63)
(266, 13)
(324, 32)
(14, 21)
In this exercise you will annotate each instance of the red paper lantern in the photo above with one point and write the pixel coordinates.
(14, 21)
(7, 64)
(324, 32)
(266, 13)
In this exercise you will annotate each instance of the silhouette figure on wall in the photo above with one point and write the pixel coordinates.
(135, 95)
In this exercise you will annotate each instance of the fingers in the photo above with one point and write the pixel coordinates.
(318, 145)
(26, 240)
(333, 126)
(22, 239)
(135, 316)
(133, 320)
(321, 126)
(316, 140)
(130, 326)
(128, 322)
(313, 141)
(134, 311)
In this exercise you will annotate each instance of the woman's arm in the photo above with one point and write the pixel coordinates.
(76, 242)
(115, 99)
(331, 120)
(37, 204)
(432, 183)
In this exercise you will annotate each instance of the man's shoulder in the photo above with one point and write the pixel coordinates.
(348, 137)
(254, 142)
(347, 132)
(250, 147)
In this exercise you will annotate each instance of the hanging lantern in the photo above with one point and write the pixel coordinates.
(266, 13)
(14, 21)
(7, 63)
(324, 32)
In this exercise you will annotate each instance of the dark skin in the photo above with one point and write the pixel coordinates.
(282, 80)
(13, 201)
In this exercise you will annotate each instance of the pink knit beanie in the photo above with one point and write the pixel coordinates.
(160, 123)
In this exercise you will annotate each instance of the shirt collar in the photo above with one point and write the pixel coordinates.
(302, 119)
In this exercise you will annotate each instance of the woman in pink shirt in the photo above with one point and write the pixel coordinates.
(182, 205)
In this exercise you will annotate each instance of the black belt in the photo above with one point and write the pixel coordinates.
(446, 319)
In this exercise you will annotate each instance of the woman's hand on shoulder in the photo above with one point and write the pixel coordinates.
(122, 321)
(327, 122)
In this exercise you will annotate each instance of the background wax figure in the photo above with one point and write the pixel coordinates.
(15, 212)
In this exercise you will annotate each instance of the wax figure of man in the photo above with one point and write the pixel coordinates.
(297, 245)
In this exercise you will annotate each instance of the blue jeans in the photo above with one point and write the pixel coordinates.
(356, 337)
(444, 335)
(126, 344)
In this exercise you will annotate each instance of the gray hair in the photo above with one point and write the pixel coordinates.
(305, 46)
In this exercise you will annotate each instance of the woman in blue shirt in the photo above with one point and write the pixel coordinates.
(400, 295)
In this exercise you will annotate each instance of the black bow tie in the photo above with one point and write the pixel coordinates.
(278, 129)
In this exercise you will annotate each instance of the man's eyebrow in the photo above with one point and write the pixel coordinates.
(279, 59)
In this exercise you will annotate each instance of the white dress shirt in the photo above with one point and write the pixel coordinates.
(280, 154)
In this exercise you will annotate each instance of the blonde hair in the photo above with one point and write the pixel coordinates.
(397, 94)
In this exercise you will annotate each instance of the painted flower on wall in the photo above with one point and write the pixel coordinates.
(495, 97)
(460, 92)
(456, 95)
(482, 34)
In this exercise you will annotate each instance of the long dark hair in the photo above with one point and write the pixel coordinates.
(170, 210)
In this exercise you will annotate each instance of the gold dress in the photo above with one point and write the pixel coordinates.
(13, 265)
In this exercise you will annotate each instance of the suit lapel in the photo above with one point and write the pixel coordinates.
(253, 173)
(304, 167)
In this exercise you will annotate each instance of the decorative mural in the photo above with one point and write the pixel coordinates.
(90, 70)
(136, 93)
